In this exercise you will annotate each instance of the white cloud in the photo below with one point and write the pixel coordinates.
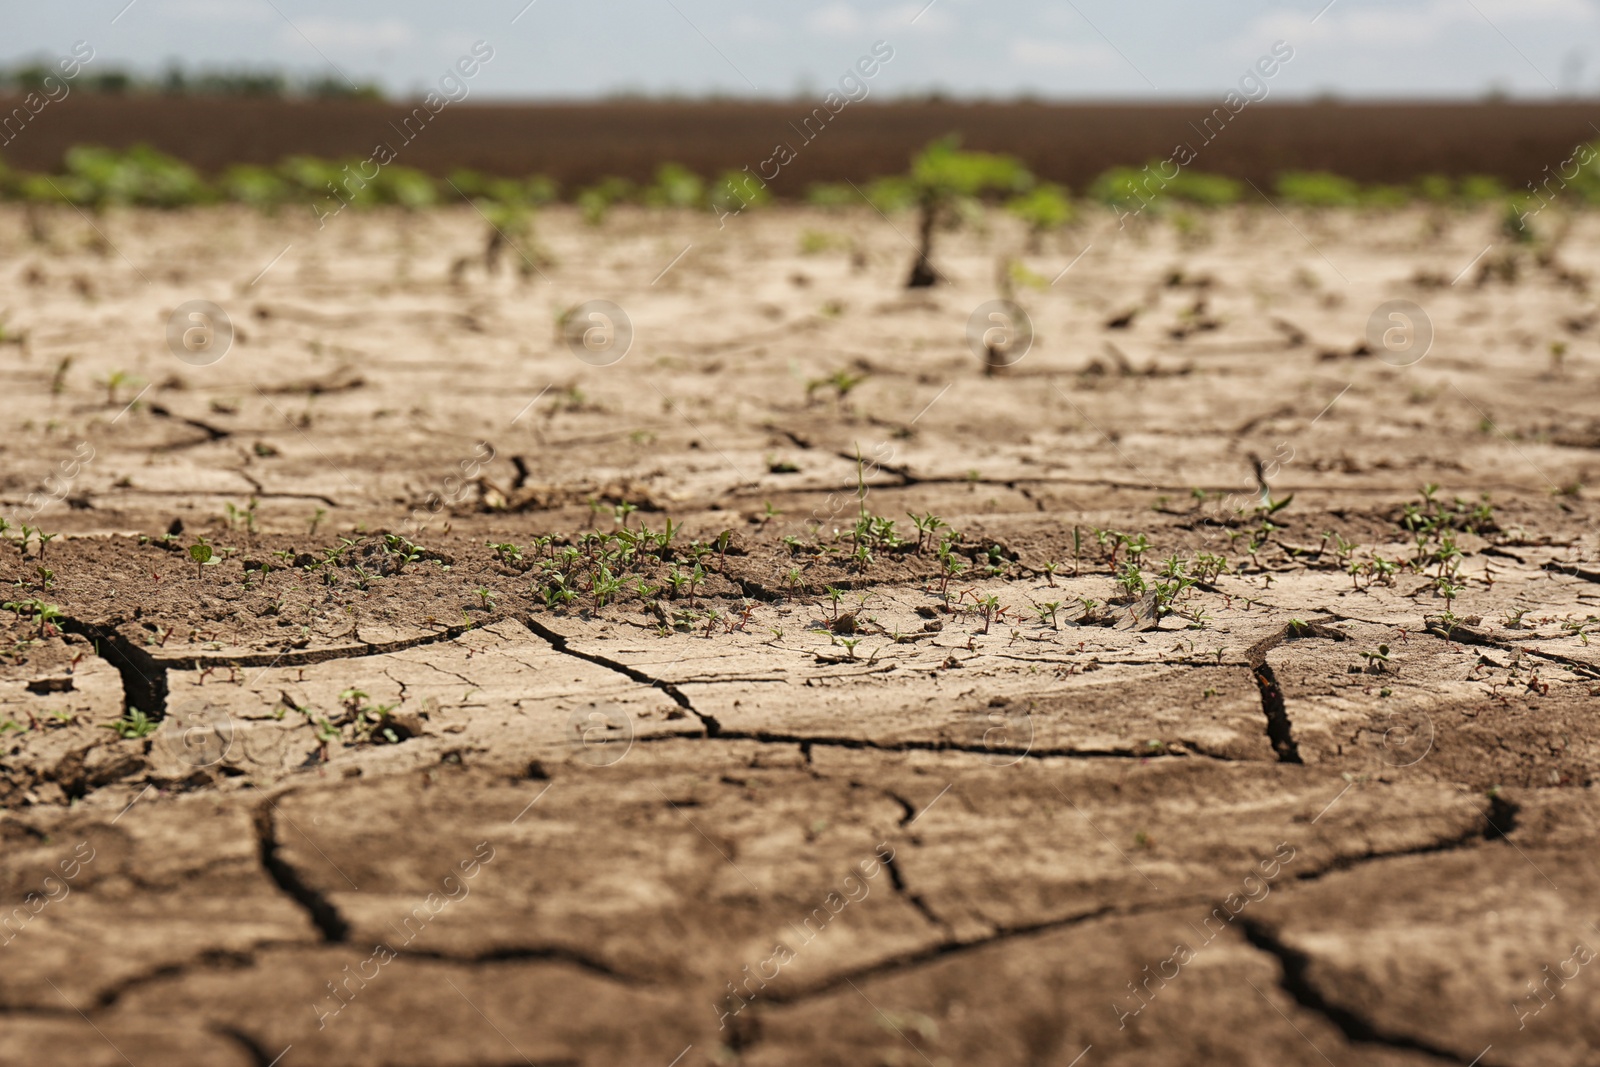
(1394, 26)
(751, 27)
(1035, 53)
(845, 20)
(218, 10)
(325, 32)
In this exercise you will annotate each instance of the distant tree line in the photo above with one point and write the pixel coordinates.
(176, 81)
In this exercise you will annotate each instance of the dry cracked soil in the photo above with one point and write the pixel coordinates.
(447, 676)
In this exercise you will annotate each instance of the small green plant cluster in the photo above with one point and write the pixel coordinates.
(133, 724)
(1376, 570)
(601, 568)
(1433, 524)
(1169, 587)
(1256, 527)
(368, 560)
(43, 615)
(369, 723)
(1125, 186)
(26, 535)
(141, 176)
(1320, 189)
(1430, 515)
(945, 182)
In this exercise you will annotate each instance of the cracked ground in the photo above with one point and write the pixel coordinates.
(555, 710)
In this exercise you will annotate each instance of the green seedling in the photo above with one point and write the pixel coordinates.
(505, 552)
(1131, 580)
(989, 607)
(927, 527)
(944, 182)
(403, 551)
(1579, 629)
(116, 381)
(840, 381)
(949, 567)
(327, 734)
(44, 615)
(1208, 567)
(202, 555)
(133, 724)
(1379, 660)
(605, 586)
(235, 517)
(1045, 209)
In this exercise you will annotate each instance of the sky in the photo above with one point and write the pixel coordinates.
(1066, 49)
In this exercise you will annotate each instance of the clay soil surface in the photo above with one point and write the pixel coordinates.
(537, 709)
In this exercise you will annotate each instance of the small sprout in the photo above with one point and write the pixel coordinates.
(1379, 660)
(327, 734)
(133, 724)
(114, 382)
(201, 553)
(44, 614)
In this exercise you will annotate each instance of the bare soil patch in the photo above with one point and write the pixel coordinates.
(536, 710)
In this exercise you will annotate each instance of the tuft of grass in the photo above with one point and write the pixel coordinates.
(133, 724)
